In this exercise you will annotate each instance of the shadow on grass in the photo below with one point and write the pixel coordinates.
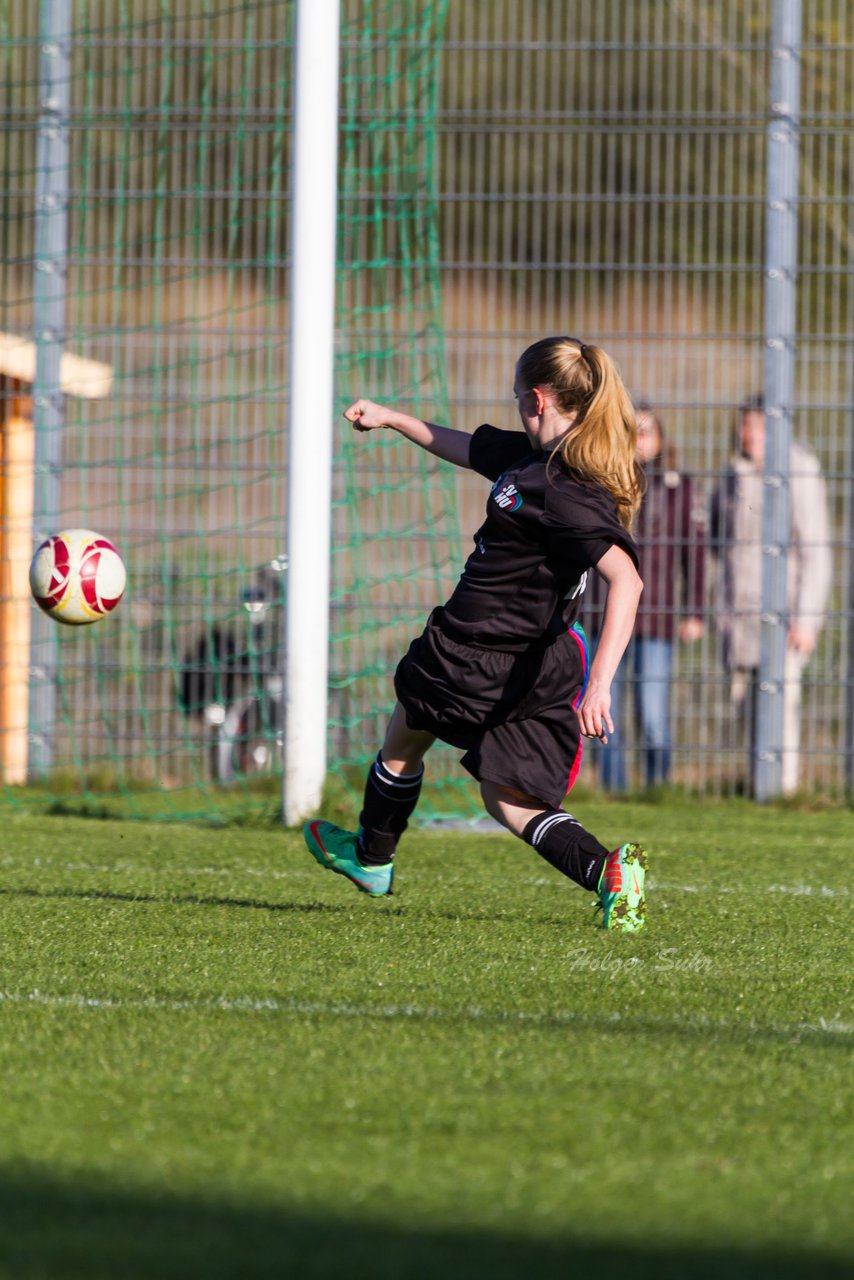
(191, 900)
(73, 1232)
(106, 810)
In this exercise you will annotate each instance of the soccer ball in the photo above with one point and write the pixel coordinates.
(77, 576)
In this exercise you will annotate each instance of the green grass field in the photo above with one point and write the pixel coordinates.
(219, 1060)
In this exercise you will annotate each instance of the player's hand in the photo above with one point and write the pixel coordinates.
(594, 713)
(367, 416)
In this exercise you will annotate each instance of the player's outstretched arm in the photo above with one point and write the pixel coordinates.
(621, 606)
(444, 442)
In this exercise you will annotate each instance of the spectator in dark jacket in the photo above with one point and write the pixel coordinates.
(670, 534)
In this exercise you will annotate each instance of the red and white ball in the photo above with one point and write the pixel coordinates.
(77, 577)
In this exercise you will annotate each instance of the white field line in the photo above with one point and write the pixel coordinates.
(668, 886)
(312, 1008)
(540, 882)
(796, 890)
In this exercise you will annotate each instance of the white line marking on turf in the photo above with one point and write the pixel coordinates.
(251, 1004)
(540, 882)
(795, 890)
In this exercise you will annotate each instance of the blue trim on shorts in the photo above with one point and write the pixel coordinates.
(585, 652)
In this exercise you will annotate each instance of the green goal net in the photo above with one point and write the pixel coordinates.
(177, 278)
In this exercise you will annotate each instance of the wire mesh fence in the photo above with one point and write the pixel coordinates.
(176, 270)
(604, 174)
(509, 168)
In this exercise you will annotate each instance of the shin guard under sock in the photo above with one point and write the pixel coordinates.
(562, 841)
(389, 801)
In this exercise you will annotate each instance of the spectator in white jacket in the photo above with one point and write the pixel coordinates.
(736, 540)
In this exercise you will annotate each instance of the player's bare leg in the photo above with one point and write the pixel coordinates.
(392, 788)
(617, 876)
(513, 809)
(404, 749)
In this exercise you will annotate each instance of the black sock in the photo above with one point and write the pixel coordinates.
(562, 841)
(389, 801)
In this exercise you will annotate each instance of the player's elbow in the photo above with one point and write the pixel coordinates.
(620, 572)
(627, 586)
(634, 583)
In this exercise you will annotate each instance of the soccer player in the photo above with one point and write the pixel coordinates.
(501, 670)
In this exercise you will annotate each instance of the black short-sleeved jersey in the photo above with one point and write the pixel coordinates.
(525, 577)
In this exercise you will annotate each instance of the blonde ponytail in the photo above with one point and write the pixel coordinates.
(600, 444)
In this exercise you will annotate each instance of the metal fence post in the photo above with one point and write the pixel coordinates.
(780, 319)
(50, 270)
(848, 588)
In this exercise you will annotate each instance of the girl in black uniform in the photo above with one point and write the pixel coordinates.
(501, 670)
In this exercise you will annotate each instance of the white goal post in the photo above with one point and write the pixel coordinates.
(311, 399)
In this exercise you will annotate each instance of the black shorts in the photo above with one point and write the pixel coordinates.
(513, 714)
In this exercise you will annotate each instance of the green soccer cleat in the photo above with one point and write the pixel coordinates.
(621, 889)
(336, 850)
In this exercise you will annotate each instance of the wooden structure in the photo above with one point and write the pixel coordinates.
(91, 380)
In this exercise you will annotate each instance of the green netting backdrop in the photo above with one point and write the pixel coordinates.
(180, 136)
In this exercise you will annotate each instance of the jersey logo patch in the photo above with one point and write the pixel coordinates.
(507, 497)
(580, 587)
